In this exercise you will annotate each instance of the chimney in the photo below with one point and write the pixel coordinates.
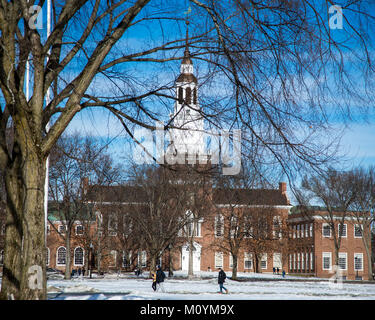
(282, 187)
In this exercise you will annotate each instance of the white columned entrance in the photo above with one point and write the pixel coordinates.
(196, 257)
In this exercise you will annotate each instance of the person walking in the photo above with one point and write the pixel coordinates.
(160, 276)
(153, 275)
(221, 279)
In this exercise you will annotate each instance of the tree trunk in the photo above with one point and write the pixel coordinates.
(68, 271)
(235, 267)
(25, 252)
(366, 239)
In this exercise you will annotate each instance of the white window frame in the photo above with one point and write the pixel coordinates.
(219, 260)
(311, 261)
(83, 257)
(330, 230)
(76, 228)
(129, 257)
(112, 229)
(360, 256)
(233, 226)
(248, 256)
(343, 255)
(60, 228)
(311, 229)
(57, 256)
(345, 228)
(327, 255)
(142, 258)
(361, 229)
(221, 233)
(264, 258)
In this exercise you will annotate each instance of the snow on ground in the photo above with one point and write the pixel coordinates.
(205, 287)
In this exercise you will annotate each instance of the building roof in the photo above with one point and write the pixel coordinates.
(135, 194)
(267, 197)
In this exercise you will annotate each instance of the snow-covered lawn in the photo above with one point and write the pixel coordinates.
(261, 286)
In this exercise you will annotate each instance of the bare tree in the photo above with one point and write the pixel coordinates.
(267, 57)
(363, 208)
(72, 162)
(335, 192)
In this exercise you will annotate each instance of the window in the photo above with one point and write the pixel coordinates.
(113, 262)
(343, 260)
(303, 261)
(327, 260)
(277, 234)
(78, 256)
(290, 261)
(358, 261)
(127, 225)
(357, 231)
(1, 257)
(126, 259)
(188, 95)
(326, 230)
(142, 259)
(298, 233)
(47, 256)
(298, 261)
(62, 229)
(48, 229)
(263, 261)
(231, 261)
(218, 260)
(342, 230)
(311, 261)
(61, 256)
(306, 230)
(302, 231)
(233, 227)
(79, 230)
(294, 262)
(311, 229)
(219, 226)
(248, 260)
(112, 225)
(180, 95)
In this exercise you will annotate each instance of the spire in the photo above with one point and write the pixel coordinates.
(187, 58)
(186, 69)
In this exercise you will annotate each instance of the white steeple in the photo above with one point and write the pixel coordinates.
(187, 137)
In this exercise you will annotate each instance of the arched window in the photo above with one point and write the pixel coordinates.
(61, 256)
(188, 95)
(195, 96)
(180, 95)
(78, 256)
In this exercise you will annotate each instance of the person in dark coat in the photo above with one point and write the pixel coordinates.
(160, 275)
(221, 279)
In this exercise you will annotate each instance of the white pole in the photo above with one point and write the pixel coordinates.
(47, 129)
